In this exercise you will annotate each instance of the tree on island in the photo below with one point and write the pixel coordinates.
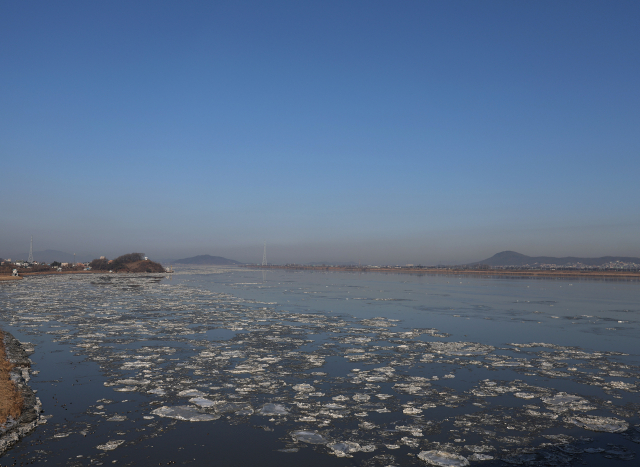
(131, 262)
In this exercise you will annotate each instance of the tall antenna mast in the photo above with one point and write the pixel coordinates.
(30, 260)
(264, 255)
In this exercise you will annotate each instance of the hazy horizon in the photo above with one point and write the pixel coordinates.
(285, 254)
(373, 132)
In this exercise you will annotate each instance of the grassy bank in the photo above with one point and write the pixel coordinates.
(11, 402)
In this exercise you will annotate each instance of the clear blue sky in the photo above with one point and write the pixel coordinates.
(373, 131)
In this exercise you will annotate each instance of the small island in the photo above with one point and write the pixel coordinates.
(129, 263)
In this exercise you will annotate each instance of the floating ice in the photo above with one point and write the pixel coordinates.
(202, 402)
(110, 445)
(443, 459)
(309, 437)
(344, 449)
(277, 353)
(304, 387)
(604, 424)
(117, 418)
(184, 412)
(480, 457)
(191, 393)
(361, 397)
(273, 409)
(133, 382)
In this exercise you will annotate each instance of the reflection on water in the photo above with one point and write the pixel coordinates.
(328, 368)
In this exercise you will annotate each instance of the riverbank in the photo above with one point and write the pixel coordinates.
(20, 407)
(60, 273)
(590, 274)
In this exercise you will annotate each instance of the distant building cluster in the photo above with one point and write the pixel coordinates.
(610, 266)
(41, 265)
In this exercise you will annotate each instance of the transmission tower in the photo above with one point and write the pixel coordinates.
(264, 254)
(30, 260)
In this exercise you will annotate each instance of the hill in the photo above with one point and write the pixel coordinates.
(132, 262)
(512, 258)
(208, 260)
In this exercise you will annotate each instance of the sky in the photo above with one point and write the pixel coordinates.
(374, 131)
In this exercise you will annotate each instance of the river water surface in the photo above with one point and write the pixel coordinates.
(234, 366)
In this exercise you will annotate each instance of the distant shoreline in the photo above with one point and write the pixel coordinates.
(473, 272)
(59, 273)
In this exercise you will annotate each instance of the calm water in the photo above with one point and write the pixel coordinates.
(240, 367)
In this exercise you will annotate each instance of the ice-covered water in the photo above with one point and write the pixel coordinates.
(329, 368)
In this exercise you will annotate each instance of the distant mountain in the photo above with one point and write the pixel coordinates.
(512, 258)
(207, 260)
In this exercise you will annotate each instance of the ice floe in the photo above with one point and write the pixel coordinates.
(443, 459)
(184, 412)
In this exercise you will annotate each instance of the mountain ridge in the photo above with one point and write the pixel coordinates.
(513, 258)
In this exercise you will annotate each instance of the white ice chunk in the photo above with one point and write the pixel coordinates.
(202, 402)
(273, 409)
(191, 393)
(110, 445)
(132, 382)
(344, 449)
(310, 437)
(304, 387)
(604, 424)
(443, 459)
(361, 397)
(480, 457)
(117, 418)
(184, 412)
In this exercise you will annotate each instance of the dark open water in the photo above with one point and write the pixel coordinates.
(240, 367)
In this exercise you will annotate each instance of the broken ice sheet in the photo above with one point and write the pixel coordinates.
(110, 445)
(273, 409)
(309, 437)
(275, 358)
(202, 402)
(344, 448)
(184, 412)
(443, 459)
(603, 424)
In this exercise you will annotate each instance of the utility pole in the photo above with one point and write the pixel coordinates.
(30, 260)
(264, 254)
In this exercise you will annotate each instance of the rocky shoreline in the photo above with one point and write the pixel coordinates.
(14, 430)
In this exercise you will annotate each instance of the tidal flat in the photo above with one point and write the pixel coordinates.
(237, 367)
